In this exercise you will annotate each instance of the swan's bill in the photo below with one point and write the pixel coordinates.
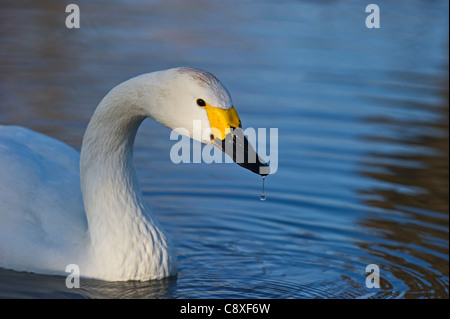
(227, 134)
(222, 120)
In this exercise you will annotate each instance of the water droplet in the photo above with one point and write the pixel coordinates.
(263, 197)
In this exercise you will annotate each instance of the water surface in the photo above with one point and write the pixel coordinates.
(362, 116)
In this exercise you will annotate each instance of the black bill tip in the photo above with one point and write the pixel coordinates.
(242, 152)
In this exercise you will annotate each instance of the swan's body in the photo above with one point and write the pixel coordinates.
(48, 219)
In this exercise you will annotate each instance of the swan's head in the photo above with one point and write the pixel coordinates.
(195, 103)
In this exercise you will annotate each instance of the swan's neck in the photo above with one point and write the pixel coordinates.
(122, 232)
(108, 178)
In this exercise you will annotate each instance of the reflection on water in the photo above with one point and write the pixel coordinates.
(362, 117)
(42, 286)
(415, 203)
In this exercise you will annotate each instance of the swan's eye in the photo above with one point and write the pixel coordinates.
(201, 103)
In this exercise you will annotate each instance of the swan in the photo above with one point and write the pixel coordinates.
(59, 207)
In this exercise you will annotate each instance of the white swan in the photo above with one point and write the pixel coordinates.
(44, 225)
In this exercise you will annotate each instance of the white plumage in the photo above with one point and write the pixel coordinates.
(46, 223)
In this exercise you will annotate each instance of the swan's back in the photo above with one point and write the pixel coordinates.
(41, 207)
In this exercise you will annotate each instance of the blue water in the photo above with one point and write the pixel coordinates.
(362, 117)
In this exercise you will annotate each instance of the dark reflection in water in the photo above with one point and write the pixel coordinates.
(414, 223)
(41, 286)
